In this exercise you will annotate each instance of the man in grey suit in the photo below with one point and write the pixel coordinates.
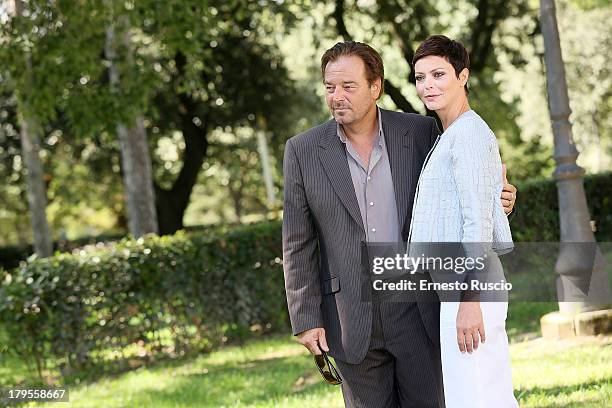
(351, 181)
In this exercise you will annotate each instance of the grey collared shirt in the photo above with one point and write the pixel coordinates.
(374, 189)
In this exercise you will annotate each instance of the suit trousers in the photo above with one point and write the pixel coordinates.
(402, 367)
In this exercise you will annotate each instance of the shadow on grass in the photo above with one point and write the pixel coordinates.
(14, 371)
(549, 393)
(90, 373)
(253, 381)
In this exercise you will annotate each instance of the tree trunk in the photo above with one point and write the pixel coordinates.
(236, 195)
(264, 156)
(136, 163)
(135, 156)
(30, 148)
(171, 204)
(37, 195)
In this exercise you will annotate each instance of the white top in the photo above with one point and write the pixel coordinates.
(458, 193)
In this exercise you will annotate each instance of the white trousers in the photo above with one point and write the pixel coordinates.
(483, 378)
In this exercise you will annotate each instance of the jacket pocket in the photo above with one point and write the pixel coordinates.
(331, 286)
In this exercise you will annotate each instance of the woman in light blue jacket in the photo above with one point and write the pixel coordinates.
(457, 201)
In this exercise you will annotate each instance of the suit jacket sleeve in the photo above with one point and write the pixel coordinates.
(300, 257)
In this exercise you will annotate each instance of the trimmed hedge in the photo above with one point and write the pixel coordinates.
(174, 294)
(12, 255)
(537, 209)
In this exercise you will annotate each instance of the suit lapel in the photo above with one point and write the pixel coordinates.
(332, 154)
(400, 158)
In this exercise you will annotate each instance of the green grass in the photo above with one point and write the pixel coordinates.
(276, 372)
(569, 373)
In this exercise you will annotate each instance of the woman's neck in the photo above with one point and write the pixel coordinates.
(450, 114)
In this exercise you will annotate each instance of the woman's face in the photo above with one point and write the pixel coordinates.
(437, 84)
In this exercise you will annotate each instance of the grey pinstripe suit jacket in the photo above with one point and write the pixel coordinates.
(323, 230)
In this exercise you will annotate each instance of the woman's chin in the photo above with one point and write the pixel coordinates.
(432, 106)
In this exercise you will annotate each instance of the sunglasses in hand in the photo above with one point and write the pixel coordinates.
(326, 368)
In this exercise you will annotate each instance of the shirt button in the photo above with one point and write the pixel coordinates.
(369, 178)
(373, 229)
(371, 203)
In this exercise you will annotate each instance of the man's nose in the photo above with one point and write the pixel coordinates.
(338, 94)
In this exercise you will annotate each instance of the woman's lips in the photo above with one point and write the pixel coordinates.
(431, 97)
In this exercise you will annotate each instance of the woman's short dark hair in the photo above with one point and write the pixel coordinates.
(442, 46)
(371, 59)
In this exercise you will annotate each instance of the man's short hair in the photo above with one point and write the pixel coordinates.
(371, 59)
(441, 46)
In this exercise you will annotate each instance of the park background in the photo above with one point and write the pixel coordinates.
(171, 117)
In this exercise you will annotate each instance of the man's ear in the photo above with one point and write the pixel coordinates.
(464, 75)
(376, 87)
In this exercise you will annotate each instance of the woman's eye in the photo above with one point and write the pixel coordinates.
(419, 78)
(438, 74)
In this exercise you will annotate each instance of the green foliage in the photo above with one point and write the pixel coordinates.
(219, 66)
(200, 289)
(12, 194)
(194, 67)
(591, 4)
(537, 214)
(585, 36)
(586, 41)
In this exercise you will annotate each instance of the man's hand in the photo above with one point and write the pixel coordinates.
(313, 339)
(508, 195)
(470, 326)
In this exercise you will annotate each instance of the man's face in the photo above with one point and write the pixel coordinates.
(347, 91)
